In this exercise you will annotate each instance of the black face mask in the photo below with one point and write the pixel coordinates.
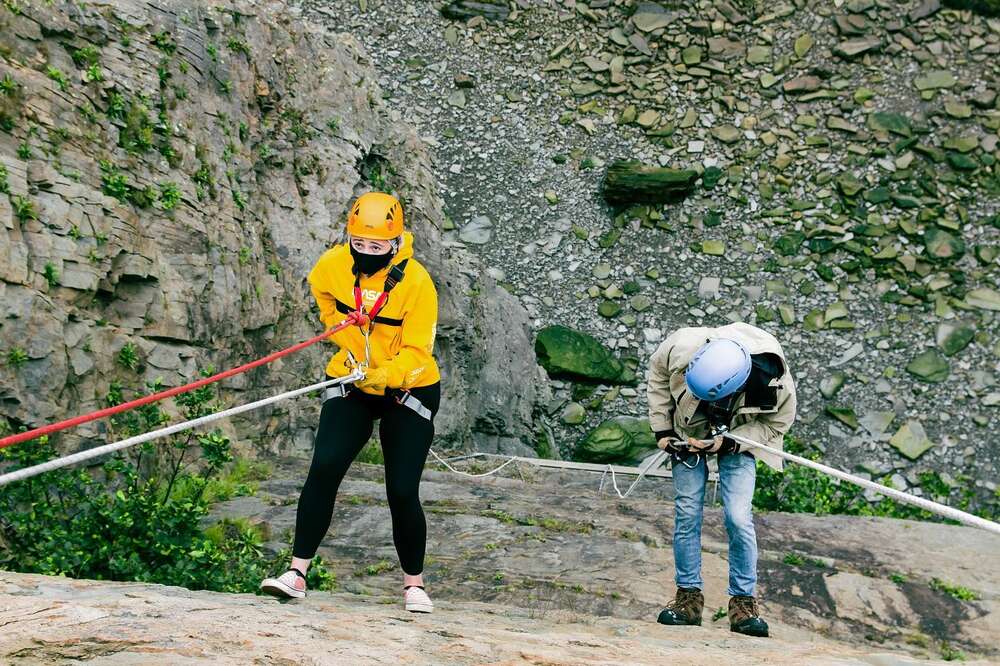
(369, 264)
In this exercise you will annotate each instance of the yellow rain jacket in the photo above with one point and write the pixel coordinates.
(402, 336)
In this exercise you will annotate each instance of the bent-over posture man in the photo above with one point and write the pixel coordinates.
(703, 383)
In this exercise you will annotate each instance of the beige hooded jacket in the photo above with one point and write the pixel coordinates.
(764, 412)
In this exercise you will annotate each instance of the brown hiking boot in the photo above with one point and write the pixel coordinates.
(685, 609)
(744, 617)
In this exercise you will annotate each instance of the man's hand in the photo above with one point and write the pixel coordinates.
(718, 444)
(671, 444)
(710, 446)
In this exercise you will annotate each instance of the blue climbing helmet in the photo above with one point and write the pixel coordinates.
(717, 370)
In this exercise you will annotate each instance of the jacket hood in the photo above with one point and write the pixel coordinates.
(765, 350)
(405, 248)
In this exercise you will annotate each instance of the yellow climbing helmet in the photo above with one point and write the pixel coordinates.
(376, 215)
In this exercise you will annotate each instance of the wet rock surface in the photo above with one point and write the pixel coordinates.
(847, 161)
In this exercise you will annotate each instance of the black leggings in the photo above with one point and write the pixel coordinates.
(345, 426)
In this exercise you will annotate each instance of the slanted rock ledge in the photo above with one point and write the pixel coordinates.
(50, 620)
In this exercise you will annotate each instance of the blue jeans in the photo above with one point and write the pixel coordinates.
(737, 476)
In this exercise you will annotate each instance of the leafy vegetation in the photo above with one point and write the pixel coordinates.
(16, 357)
(128, 356)
(140, 518)
(113, 182)
(371, 454)
(93, 74)
(24, 208)
(165, 42)
(86, 56)
(799, 489)
(137, 135)
(955, 591)
(170, 196)
(8, 86)
(51, 274)
(58, 76)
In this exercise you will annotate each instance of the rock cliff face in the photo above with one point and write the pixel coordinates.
(169, 174)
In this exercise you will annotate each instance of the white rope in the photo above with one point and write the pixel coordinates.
(927, 505)
(652, 463)
(65, 461)
(511, 459)
(649, 466)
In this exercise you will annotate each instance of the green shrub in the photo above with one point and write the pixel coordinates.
(128, 356)
(8, 86)
(137, 135)
(170, 196)
(24, 151)
(114, 183)
(163, 41)
(86, 56)
(93, 74)
(58, 76)
(4, 185)
(117, 106)
(800, 489)
(51, 274)
(955, 591)
(371, 454)
(238, 46)
(140, 518)
(239, 199)
(16, 357)
(24, 209)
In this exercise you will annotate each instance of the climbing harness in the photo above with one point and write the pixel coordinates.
(407, 399)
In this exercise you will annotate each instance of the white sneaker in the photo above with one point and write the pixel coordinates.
(417, 600)
(291, 584)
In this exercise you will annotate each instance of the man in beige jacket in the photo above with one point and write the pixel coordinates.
(704, 383)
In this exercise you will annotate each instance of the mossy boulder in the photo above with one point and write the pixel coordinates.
(621, 440)
(570, 354)
(629, 181)
(984, 7)
(463, 10)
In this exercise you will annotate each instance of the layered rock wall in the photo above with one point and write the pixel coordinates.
(170, 174)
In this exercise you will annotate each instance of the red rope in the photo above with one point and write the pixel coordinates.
(169, 393)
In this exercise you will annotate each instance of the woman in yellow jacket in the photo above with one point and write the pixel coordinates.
(373, 273)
